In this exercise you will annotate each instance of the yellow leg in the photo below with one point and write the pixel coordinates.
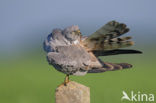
(66, 80)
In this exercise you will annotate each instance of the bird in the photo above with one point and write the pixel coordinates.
(72, 53)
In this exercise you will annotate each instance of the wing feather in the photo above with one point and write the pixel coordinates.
(105, 38)
(110, 30)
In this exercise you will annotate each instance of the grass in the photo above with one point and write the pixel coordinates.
(29, 79)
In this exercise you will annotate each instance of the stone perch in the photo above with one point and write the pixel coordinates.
(72, 93)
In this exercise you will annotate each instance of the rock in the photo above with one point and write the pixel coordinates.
(72, 93)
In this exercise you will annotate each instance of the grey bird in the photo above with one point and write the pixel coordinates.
(74, 54)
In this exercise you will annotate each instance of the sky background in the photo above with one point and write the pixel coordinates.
(24, 24)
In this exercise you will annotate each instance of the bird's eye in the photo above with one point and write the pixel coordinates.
(78, 31)
(72, 32)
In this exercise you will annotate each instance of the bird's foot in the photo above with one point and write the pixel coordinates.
(66, 81)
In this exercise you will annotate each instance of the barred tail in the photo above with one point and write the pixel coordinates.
(110, 67)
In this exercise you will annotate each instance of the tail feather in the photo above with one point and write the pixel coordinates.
(110, 67)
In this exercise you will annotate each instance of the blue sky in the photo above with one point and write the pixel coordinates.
(25, 23)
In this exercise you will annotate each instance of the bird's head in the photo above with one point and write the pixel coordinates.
(72, 33)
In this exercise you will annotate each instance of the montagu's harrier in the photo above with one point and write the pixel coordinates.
(74, 54)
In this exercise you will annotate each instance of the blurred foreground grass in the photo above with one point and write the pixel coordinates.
(29, 79)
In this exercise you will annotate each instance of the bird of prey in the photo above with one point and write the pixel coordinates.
(74, 54)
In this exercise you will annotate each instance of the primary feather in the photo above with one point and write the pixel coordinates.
(105, 38)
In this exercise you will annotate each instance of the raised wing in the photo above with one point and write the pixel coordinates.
(105, 38)
(110, 30)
